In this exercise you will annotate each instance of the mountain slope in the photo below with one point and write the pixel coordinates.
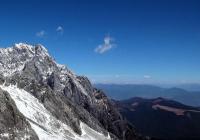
(43, 123)
(12, 123)
(162, 118)
(67, 98)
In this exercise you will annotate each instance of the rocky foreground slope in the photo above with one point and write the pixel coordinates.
(41, 99)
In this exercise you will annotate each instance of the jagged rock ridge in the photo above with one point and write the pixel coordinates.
(70, 99)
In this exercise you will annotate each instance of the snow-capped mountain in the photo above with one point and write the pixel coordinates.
(41, 99)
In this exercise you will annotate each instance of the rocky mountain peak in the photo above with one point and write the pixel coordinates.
(34, 49)
(13, 59)
(66, 97)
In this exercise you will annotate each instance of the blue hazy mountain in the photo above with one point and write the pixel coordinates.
(190, 87)
(121, 92)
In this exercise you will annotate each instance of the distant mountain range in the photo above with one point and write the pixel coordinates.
(190, 87)
(161, 118)
(122, 92)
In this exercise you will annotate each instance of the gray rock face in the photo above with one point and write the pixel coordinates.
(68, 97)
(13, 124)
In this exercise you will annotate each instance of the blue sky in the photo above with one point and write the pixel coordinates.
(119, 41)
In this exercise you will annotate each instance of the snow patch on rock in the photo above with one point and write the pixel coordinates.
(46, 126)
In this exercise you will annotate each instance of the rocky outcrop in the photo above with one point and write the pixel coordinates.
(111, 119)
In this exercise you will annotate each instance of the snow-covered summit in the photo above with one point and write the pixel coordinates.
(13, 59)
(22, 56)
(23, 46)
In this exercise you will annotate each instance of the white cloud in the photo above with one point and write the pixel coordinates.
(60, 30)
(108, 44)
(147, 76)
(41, 34)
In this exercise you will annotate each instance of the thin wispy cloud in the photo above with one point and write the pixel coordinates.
(41, 34)
(60, 30)
(147, 76)
(108, 44)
